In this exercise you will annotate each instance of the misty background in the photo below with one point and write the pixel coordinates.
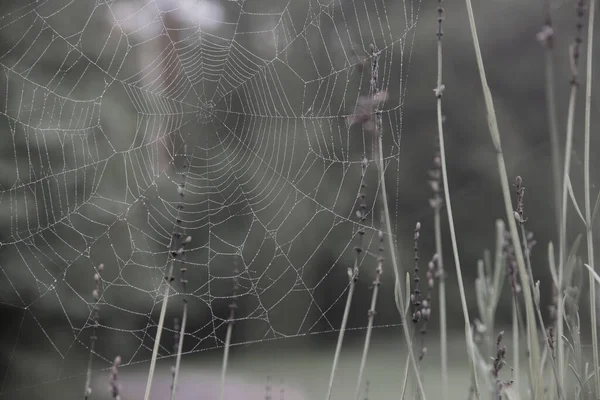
(107, 107)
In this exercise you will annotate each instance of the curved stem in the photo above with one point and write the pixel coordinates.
(588, 199)
(179, 349)
(574, 58)
(88, 377)
(461, 287)
(367, 344)
(442, 293)
(388, 226)
(548, 37)
(391, 245)
(161, 323)
(340, 340)
(534, 359)
(353, 277)
(226, 353)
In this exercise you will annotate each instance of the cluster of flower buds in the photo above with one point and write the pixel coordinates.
(435, 181)
(380, 259)
(178, 244)
(500, 359)
(421, 306)
(520, 189)
(575, 47)
(361, 214)
(434, 271)
(415, 297)
(98, 283)
(176, 328)
(498, 363)
(511, 261)
(179, 240)
(236, 287)
(96, 293)
(114, 386)
(511, 264)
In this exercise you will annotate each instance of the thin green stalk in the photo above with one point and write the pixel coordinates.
(392, 248)
(515, 338)
(352, 276)
(593, 273)
(547, 36)
(97, 294)
(442, 295)
(174, 251)
(563, 237)
(179, 350)
(88, 377)
(567, 166)
(388, 228)
(405, 379)
(461, 287)
(338, 347)
(226, 351)
(183, 280)
(534, 364)
(438, 240)
(367, 344)
(407, 364)
(161, 322)
(588, 199)
(536, 299)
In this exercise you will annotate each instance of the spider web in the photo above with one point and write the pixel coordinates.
(109, 106)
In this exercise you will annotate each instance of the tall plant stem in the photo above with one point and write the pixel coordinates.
(173, 253)
(437, 224)
(461, 287)
(539, 312)
(161, 322)
(534, 359)
(574, 58)
(340, 340)
(563, 238)
(88, 375)
(367, 344)
(588, 199)
(515, 344)
(547, 36)
(442, 294)
(390, 238)
(353, 277)
(226, 351)
(179, 350)
(391, 245)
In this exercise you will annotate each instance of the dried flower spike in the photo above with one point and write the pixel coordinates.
(96, 294)
(114, 386)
